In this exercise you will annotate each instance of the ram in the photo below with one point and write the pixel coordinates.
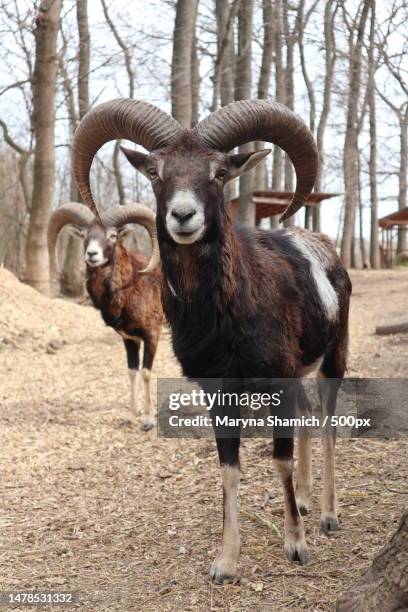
(122, 285)
(241, 302)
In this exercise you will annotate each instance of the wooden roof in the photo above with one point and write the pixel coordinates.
(270, 203)
(398, 218)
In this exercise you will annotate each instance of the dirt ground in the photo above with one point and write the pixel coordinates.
(129, 521)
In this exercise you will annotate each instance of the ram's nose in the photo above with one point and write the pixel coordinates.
(183, 214)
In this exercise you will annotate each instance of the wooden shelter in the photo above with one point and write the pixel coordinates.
(389, 225)
(271, 203)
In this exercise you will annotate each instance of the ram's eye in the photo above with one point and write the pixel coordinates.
(221, 173)
(152, 172)
(112, 237)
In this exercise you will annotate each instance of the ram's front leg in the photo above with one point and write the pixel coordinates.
(295, 543)
(224, 568)
(304, 466)
(132, 347)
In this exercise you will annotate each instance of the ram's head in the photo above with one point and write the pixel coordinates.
(189, 168)
(100, 233)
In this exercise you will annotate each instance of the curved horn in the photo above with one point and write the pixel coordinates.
(136, 213)
(74, 213)
(140, 122)
(248, 120)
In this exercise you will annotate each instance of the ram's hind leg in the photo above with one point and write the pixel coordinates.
(149, 352)
(304, 462)
(330, 376)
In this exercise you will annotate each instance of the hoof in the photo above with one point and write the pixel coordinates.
(303, 508)
(297, 552)
(329, 524)
(147, 425)
(223, 573)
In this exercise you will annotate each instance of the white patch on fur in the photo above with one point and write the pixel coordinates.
(327, 294)
(191, 230)
(148, 417)
(94, 254)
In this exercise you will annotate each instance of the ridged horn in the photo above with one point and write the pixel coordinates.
(74, 213)
(135, 213)
(140, 122)
(266, 120)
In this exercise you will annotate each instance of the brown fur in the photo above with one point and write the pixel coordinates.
(120, 292)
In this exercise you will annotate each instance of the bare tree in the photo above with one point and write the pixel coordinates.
(374, 241)
(330, 56)
(84, 57)
(43, 123)
(181, 86)
(72, 278)
(195, 82)
(24, 157)
(301, 23)
(246, 212)
(361, 212)
(402, 177)
(127, 54)
(290, 39)
(261, 176)
(401, 113)
(350, 163)
(224, 67)
(267, 49)
(280, 94)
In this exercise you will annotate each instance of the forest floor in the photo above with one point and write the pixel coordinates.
(130, 521)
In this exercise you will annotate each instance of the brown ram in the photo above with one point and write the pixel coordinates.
(122, 284)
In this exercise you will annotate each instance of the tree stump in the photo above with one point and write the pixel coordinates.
(384, 585)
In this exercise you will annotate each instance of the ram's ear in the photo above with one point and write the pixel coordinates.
(136, 158)
(78, 231)
(243, 162)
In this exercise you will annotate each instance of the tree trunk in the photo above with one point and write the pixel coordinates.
(225, 64)
(195, 82)
(267, 49)
(384, 585)
(402, 178)
(181, 86)
(127, 53)
(351, 137)
(43, 123)
(221, 16)
(261, 170)
(330, 60)
(374, 238)
(72, 277)
(361, 215)
(246, 212)
(290, 38)
(84, 57)
(279, 96)
(300, 27)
